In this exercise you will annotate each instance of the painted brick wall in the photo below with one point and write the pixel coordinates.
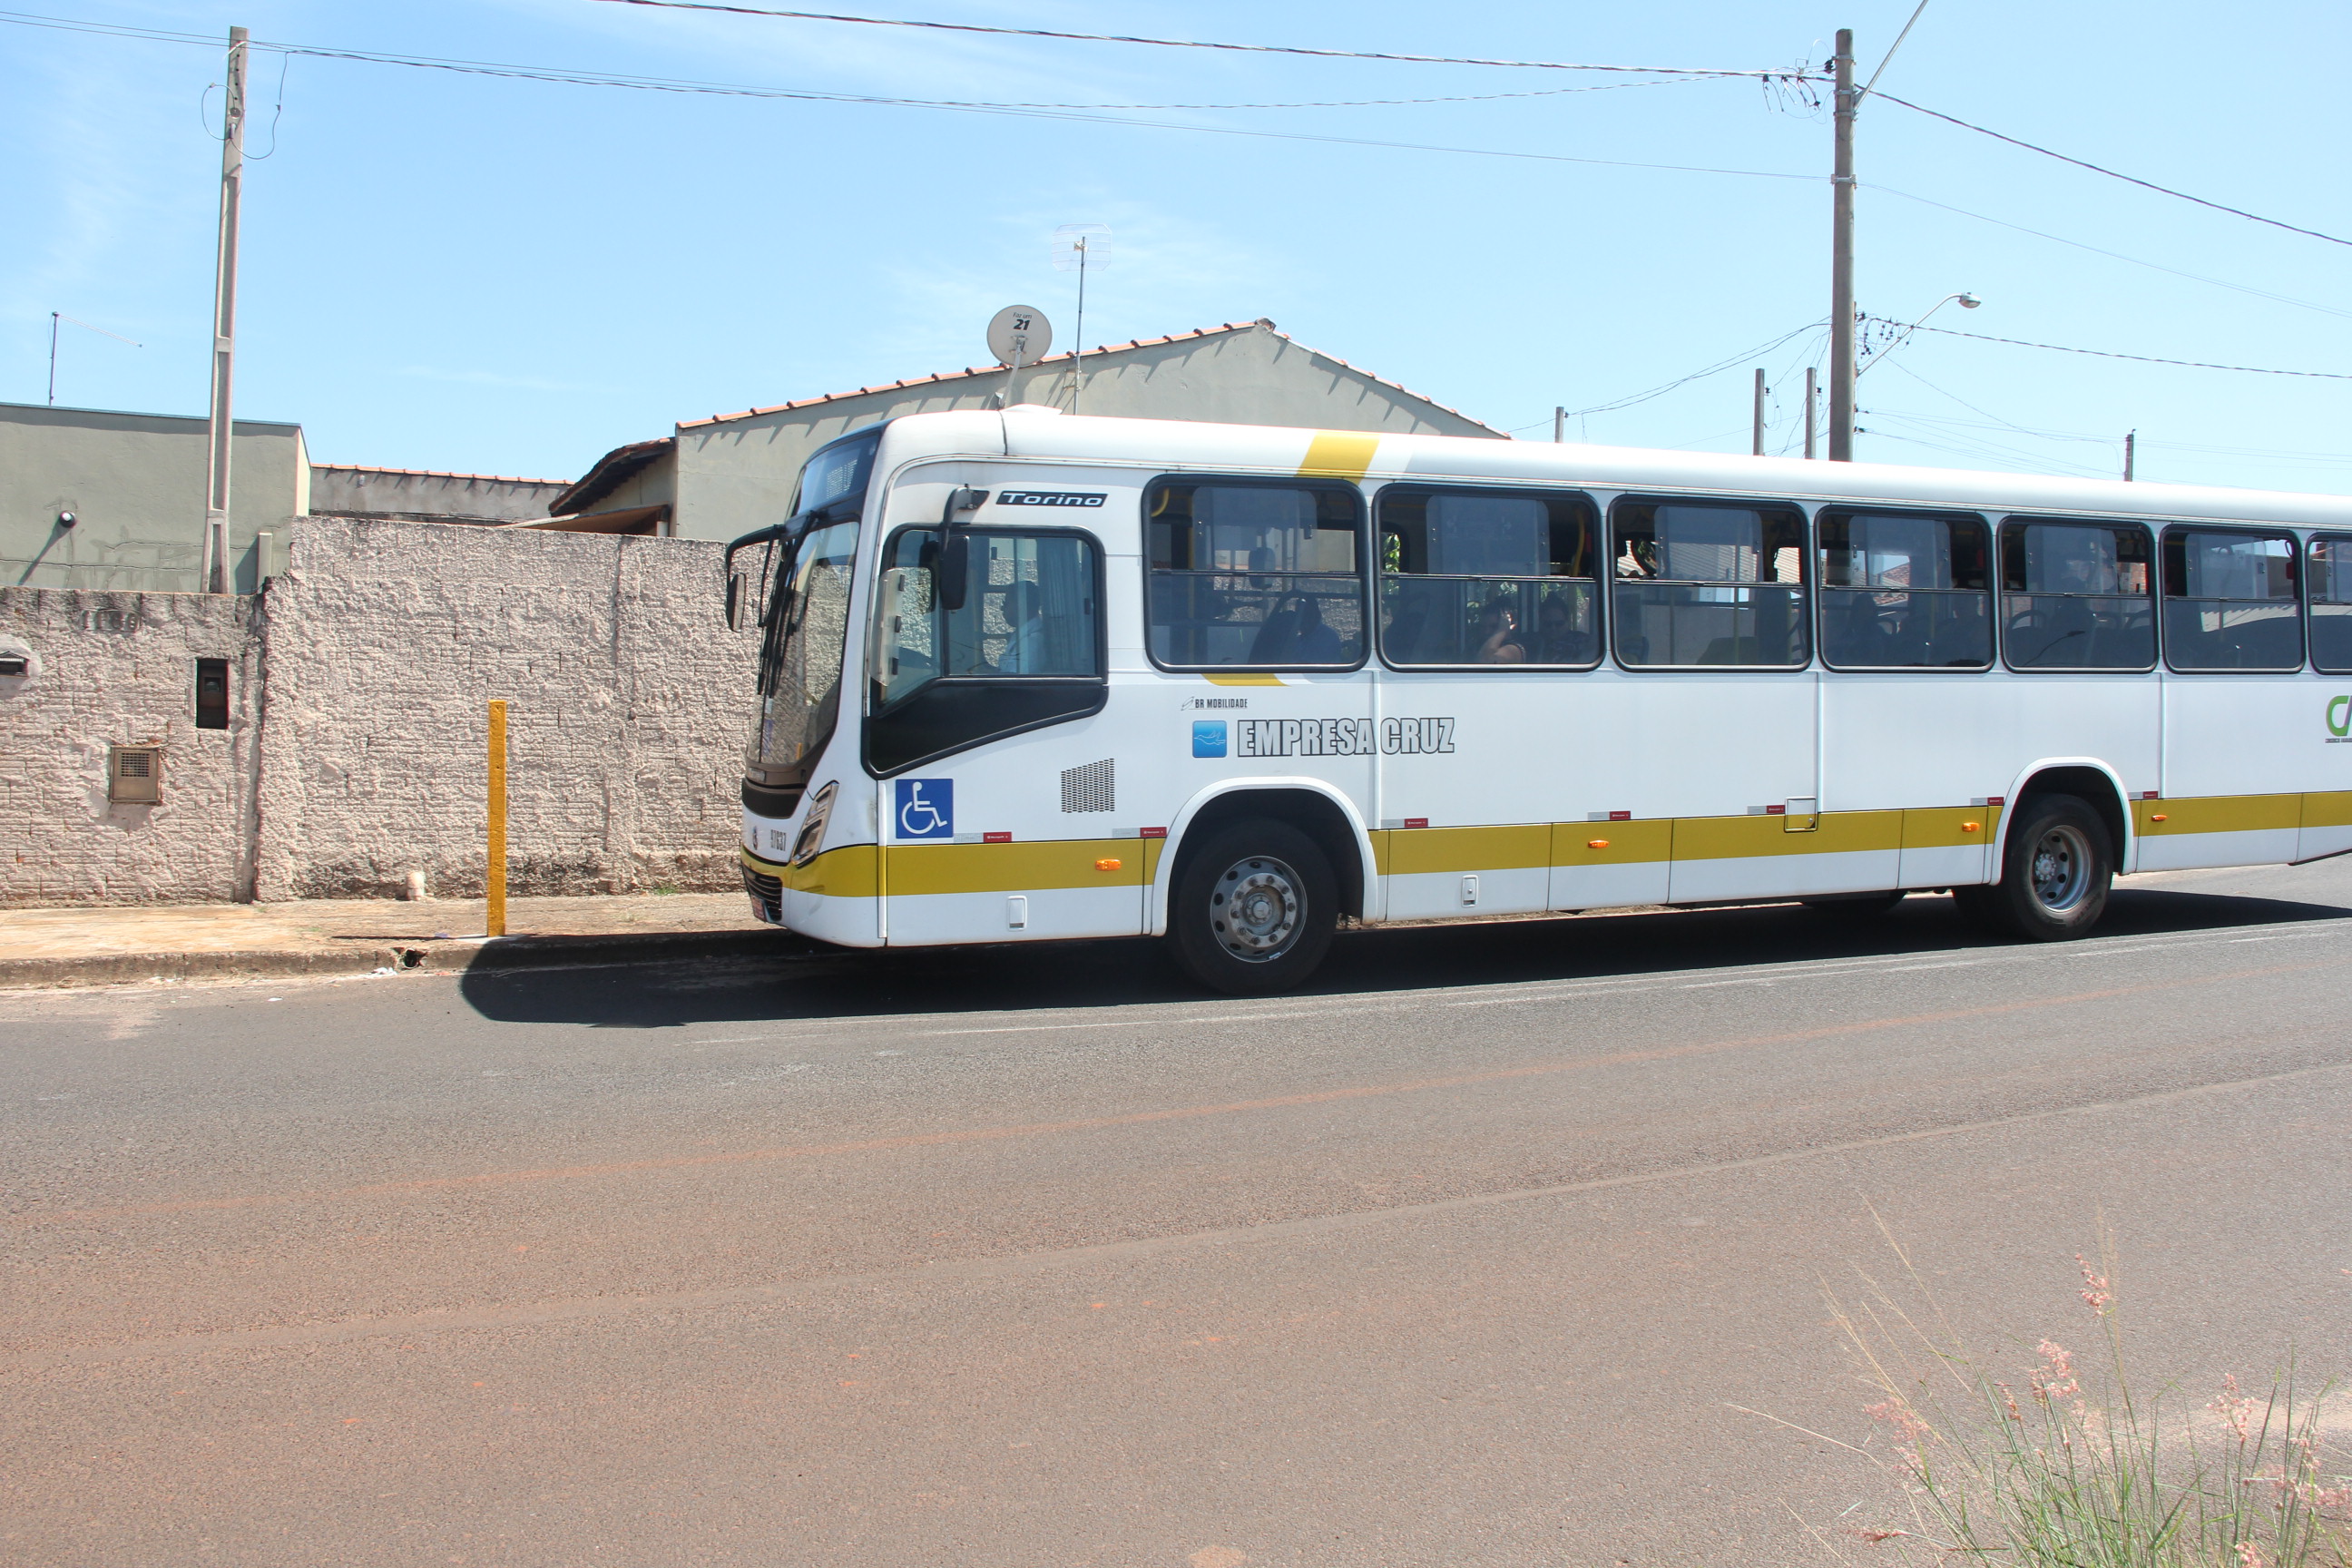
(360, 684)
(119, 668)
(626, 699)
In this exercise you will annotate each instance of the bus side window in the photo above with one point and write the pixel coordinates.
(1488, 577)
(1028, 611)
(2077, 596)
(2229, 600)
(1024, 650)
(2331, 602)
(1904, 590)
(1255, 575)
(1708, 586)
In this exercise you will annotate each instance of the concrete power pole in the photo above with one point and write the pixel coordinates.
(1811, 395)
(217, 576)
(1756, 447)
(2131, 446)
(1842, 323)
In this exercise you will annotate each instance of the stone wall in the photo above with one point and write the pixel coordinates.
(356, 751)
(626, 693)
(106, 669)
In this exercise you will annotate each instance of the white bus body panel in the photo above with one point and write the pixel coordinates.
(1498, 791)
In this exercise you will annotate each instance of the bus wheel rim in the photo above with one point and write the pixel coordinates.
(2060, 874)
(1258, 909)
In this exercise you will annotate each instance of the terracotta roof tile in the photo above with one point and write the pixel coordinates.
(970, 372)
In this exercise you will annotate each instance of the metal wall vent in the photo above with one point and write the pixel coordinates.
(1089, 788)
(134, 775)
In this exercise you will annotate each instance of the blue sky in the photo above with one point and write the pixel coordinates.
(509, 276)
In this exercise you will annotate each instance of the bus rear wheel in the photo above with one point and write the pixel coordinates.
(2054, 875)
(1254, 910)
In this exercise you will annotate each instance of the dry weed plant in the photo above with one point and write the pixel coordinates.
(2072, 1466)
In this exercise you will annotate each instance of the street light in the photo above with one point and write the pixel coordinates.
(1968, 302)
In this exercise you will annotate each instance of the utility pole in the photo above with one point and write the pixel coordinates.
(1841, 323)
(2131, 443)
(1559, 424)
(1757, 447)
(1808, 411)
(216, 553)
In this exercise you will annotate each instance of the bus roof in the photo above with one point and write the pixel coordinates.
(1023, 432)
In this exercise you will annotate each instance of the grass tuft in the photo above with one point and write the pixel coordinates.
(2069, 1465)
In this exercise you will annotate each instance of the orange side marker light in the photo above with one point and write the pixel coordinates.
(2155, 816)
(1971, 826)
(1596, 844)
(1106, 865)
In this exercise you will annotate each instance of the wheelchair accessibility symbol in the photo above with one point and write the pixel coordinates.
(926, 808)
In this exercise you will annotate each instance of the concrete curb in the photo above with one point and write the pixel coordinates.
(502, 954)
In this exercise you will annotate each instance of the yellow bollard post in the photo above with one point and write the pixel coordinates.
(497, 913)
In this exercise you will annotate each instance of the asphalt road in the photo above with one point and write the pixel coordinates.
(1483, 1252)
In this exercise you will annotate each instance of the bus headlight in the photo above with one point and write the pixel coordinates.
(812, 838)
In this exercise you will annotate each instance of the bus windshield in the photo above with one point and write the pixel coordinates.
(804, 624)
(807, 630)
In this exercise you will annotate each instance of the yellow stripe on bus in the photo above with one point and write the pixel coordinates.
(1612, 843)
(852, 872)
(1002, 868)
(1339, 455)
(2331, 808)
(2218, 814)
(855, 870)
(1749, 837)
(1243, 680)
(1950, 826)
(1416, 849)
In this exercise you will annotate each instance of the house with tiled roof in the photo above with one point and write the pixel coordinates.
(726, 475)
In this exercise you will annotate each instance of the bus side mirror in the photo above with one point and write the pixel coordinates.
(950, 577)
(951, 573)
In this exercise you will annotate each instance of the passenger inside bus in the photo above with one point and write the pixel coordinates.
(1297, 633)
(1558, 640)
(1498, 631)
(1024, 650)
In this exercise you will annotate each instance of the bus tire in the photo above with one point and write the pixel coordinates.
(2055, 874)
(1254, 910)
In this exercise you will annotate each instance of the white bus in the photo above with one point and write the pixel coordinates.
(1026, 675)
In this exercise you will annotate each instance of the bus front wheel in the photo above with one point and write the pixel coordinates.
(1255, 908)
(2054, 875)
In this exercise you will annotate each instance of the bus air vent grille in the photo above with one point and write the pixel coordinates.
(767, 892)
(1089, 788)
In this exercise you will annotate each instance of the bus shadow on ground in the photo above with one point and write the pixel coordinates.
(944, 982)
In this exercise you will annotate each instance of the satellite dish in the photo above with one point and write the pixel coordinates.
(1020, 335)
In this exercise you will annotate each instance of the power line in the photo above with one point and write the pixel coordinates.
(2108, 353)
(1997, 421)
(1742, 357)
(2112, 254)
(1983, 454)
(2113, 174)
(1198, 44)
(1080, 113)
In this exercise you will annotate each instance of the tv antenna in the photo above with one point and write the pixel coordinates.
(1018, 335)
(1080, 248)
(56, 317)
